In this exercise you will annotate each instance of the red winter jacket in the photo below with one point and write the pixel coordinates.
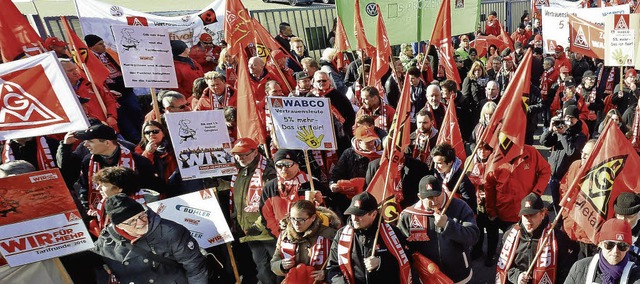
(93, 108)
(505, 190)
(186, 75)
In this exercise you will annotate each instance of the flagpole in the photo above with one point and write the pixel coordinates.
(229, 249)
(464, 172)
(154, 103)
(84, 66)
(308, 164)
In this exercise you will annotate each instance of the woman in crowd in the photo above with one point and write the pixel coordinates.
(473, 86)
(228, 66)
(304, 244)
(612, 114)
(485, 117)
(155, 145)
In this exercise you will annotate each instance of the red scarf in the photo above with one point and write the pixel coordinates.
(545, 82)
(334, 110)
(380, 115)
(419, 224)
(256, 184)
(126, 160)
(210, 101)
(345, 244)
(231, 75)
(43, 154)
(545, 270)
(318, 253)
(422, 146)
(371, 155)
(288, 189)
(589, 99)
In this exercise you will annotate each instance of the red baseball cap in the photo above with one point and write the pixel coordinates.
(631, 72)
(366, 133)
(205, 37)
(54, 41)
(559, 48)
(244, 145)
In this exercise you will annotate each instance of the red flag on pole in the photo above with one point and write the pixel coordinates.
(265, 46)
(506, 38)
(95, 70)
(342, 45)
(238, 28)
(380, 65)
(17, 37)
(250, 124)
(361, 38)
(384, 184)
(441, 38)
(506, 130)
(584, 37)
(610, 170)
(482, 43)
(450, 131)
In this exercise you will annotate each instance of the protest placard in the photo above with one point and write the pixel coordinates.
(97, 17)
(586, 38)
(201, 144)
(200, 213)
(302, 123)
(622, 33)
(37, 99)
(145, 56)
(38, 219)
(556, 22)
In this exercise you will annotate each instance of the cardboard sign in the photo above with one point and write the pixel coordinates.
(37, 99)
(621, 40)
(145, 56)
(302, 123)
(556, 22)
(200, 213)
(38, 219)
(201, 144)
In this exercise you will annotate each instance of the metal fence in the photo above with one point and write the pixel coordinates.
(313, 24)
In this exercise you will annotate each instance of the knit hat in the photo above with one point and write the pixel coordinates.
(361, 204)
(569, 82)
(615, 229)
(121, 207)
(572, 110)
(631, 72)
(537, 38)
(282, 154)
(627, 203)
(177, 47)
(91, 40)
(588, 74)
(564, 69)
(429, 187)
(532, 204)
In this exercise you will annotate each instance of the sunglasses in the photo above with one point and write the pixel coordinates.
(321, 81)
(155, 131)
(287, 165)
(621, 246)
(142, 217)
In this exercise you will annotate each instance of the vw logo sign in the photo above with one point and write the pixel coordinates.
(371, 9)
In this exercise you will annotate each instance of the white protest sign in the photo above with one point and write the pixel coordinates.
(201, 143)
(622, 33)
(145, 56)
(38, 219)
(556, 22)
(302, 123)
(200, 213)
(96, 17)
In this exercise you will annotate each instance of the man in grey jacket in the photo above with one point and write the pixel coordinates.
(443, 237)
(141, 247)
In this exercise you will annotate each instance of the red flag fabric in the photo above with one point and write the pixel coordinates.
(610, 170)
(380, 65)
(384, 184)
(238, 28)
(361, 38)
(482, 43)
(450, 131)
(506, 129)
(96, 71)
(250, 124)
(441, 38)
(17, 37)
(266, 45)
(585, 37)
(506, 38)
(342, 45)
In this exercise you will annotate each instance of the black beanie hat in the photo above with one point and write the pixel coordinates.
(91, 40)
(293, 155)
(177, 47)
(121, 207)
(627, 203)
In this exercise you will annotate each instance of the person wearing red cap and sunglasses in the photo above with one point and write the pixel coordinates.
(206, 53)
(613, 264)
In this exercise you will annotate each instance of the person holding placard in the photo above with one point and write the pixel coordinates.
(155, 145)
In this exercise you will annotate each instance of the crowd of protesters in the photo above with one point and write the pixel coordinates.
(315, 222)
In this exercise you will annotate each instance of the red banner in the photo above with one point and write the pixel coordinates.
(17, 37)
(586, 38)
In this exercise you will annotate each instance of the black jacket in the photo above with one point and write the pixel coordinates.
(412, 172)
(566, 148)
(579, 270)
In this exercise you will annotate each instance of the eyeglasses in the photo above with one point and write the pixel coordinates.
(321, 81)
(142, 217)
(621, 246)
(298, 220)
(287, 165)
(155, 131)
(245, 154)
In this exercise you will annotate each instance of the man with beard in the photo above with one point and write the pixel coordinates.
(523, 240)
(424, 138)
(303, 85)
(435, 105)
(373, 105)
(595, 104)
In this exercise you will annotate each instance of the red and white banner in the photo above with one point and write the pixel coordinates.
(38, 219)
(200, 213)
(586, 38)
(37, 99)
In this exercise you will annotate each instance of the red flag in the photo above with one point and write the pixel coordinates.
(266, 45)
(251, 124)
(482, 43)
(358, 29)
(506, 130)
(17, 37)
(441, 38)
(341, 44)
(380, 65)
(238, 28)
(450, 131)
(585, 37)
(610, 170)
(506, 38)
(95, 70)
(385, 182)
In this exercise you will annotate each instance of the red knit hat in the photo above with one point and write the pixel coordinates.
(631, 72)
(615, 229)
